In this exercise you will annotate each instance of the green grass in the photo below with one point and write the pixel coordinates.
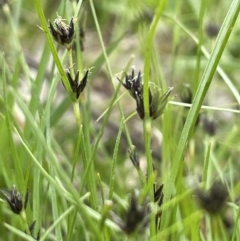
(70, 154)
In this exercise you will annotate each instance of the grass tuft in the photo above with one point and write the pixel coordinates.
(119, 121)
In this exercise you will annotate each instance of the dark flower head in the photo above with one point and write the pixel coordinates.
(210, 126)
(14, 199)
(212, 29)
(75, 85)
(157, 102)
(73, 82)
(61, 32)
(213, 200)
(134, 84)
(136, 218)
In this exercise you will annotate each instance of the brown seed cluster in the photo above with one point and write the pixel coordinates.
(214, 199)
(157, 102)
(61, 32)
(75, 85)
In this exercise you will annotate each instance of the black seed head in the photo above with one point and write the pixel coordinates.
(82, 84)
(136, 217)
(14, 199)
(75, 86)
(157, 102)
(61, 32)
(212, 29)
(73, 82)
(210, 126)
(213, 200)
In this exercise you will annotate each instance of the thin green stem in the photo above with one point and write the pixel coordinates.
(76, 153)
(86, 151)
(207, 167)
(77, 112)
(147, 126)
(25, 221)
(200, 41)
(112, 176)
(70, 57)
(18, 232)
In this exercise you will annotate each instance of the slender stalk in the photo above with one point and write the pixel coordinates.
(112, 176)
(200, 41)
(147, 126)
(25, 221)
